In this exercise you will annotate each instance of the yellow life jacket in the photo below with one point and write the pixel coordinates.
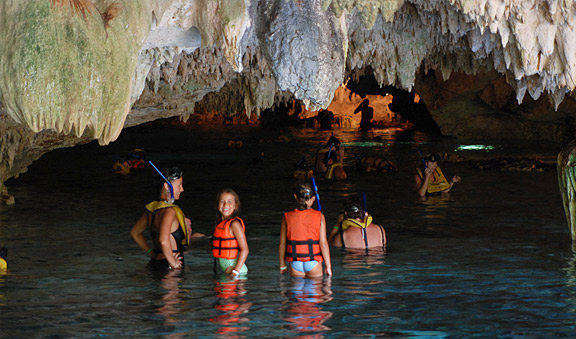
(3, 265)
(156, 205)
(438, 183)
(351, 222)
(330, 170)
(299, 173)
(121, 168)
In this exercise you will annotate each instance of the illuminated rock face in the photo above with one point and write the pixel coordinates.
(77, 70)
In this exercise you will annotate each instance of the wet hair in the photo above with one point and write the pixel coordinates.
(236, 198)
(353, 208)
(432, 157)
(304, 192)
(333, 141)
(171, 173)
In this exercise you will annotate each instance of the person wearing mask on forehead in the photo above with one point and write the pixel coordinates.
(430, 180)
(170, 231)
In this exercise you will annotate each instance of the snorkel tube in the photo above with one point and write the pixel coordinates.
(422, 157)
(328, 156)
(316, 193)
(168, 181)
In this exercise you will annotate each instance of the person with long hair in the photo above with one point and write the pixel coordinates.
(229, 245)
(303, 240)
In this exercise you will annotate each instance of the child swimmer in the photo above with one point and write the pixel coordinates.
(229, 245)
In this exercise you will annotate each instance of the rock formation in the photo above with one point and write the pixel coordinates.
(79, 70)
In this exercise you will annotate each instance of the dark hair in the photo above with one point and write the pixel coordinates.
(304, 192)
(333, 141)
(171, 173)
(432, 157)
(236, 198)
(353, 208)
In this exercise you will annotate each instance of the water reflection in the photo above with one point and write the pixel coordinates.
(171, 301)
(2, 284)
(571, 279)
(434, 206)
(233, 303)
(363, 258)
(304, 297)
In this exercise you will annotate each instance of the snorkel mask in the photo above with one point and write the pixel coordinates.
(174, 176)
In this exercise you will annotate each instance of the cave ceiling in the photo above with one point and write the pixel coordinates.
(73, 71)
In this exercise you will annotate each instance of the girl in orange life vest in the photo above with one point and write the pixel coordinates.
(303, 237)
(229, 246)
(169, 229)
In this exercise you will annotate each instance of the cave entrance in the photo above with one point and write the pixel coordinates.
(401, 106)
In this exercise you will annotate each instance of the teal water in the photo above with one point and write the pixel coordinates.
(493, 261)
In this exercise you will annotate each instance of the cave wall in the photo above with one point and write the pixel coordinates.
(77, 70)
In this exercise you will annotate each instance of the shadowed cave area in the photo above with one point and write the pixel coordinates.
(245, 94)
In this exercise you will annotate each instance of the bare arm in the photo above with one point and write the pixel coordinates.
(336, 229)
(137, 232)
(324, 246)
(282, 246)
(168, 219)
(422, 184)
(238, 233)
(454, 180)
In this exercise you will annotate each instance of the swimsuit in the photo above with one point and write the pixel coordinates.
(180, 235)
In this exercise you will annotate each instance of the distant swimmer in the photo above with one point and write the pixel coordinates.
(229, 245)
(367, 115)
(375, 164)
(430, 180)
(329, 161)
(303, 242)
(3, 259)
(355, 229)
(302, 171)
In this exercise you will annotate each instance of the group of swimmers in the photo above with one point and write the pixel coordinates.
(304, 243)
(329, 164)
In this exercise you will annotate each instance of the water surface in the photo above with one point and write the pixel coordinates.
(493, 260)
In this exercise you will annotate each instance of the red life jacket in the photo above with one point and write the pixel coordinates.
(224, 244)
(303, 235)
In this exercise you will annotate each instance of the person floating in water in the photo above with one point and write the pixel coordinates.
(375, 164)
(170, 231)
(430, 180)
(3, 259)
(329, 161)
(229, 245)
(302, 171)
(367, 115)
(355, 229)
(303, 240)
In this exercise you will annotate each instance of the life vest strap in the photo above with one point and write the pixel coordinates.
(219, 247)
(293, 253)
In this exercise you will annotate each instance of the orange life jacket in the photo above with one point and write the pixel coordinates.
(303, 235)
(224, 244)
